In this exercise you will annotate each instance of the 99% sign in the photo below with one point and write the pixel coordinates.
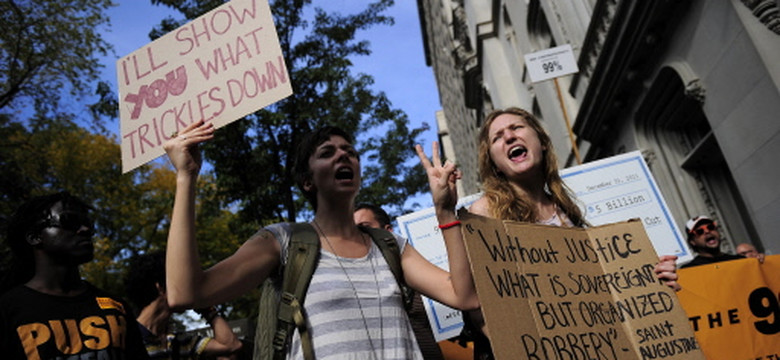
(551, 63)
(551, 66)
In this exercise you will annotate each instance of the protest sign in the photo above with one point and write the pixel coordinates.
(733, 307)
(219, 67)
(570, 293)
(621, 187)
(551, 63)
(609, 190)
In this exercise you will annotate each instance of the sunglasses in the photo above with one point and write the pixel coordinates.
(70, 221)
(700, 230)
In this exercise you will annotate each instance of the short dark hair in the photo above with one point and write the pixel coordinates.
(144, 272)
(27, 221)
(379, 214)
(306, 148)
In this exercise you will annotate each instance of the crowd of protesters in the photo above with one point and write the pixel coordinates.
(354, 305)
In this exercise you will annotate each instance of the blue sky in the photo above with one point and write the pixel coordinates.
(397, 62)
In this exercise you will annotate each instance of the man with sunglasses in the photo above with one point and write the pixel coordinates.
(46, 310)
(704, 238)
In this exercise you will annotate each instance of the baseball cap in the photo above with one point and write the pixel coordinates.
(691, 224)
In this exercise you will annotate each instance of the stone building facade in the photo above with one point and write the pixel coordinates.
(694, 85)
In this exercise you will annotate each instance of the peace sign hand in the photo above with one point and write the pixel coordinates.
(441, 178)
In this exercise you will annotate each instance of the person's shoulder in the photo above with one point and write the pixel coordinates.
(480, 207)
(378, 234)
(698, 260)
(278, 230)
(13, 293)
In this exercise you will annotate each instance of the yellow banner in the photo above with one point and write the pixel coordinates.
(733, 308)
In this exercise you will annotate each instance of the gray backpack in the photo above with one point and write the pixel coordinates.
(279, 316)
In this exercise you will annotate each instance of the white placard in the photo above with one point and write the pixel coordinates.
(551, 63)
(621, 188)
(219, 68)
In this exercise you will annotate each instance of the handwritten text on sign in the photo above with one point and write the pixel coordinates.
(219, 67)
(569, 293)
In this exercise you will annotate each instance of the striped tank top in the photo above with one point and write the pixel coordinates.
(342, 326)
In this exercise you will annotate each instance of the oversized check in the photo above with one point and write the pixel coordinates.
(621, 187)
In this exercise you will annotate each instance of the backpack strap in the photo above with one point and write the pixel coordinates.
(278, 317)
(302, 257)
(302, 254)
(389, 246)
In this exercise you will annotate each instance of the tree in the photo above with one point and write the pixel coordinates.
(47, 47)
(252, 158)
(131, 211)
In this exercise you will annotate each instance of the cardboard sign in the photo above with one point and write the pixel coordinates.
(609, 190)
(568, 293)
(218, 67)
(551, 63)
(621, 187)
(733, 307)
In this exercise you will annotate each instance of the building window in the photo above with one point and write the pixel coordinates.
(686, 160)
(538, 27)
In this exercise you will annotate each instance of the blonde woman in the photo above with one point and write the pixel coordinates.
(520, 180)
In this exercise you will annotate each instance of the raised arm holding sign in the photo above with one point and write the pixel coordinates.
(352, 304)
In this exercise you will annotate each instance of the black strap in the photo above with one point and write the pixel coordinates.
(389, 247)
(302, 256)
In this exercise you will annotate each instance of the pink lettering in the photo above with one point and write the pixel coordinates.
(156, 94)
(240, 17)
(227, 23)
(182, 37)
(197, 34)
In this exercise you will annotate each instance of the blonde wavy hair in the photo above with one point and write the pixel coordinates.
(504, 201)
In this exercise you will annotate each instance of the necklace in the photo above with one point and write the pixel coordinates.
(355, 292)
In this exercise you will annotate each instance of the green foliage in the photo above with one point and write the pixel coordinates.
(51, 46)
(252, 158)
(47, 47)
(132, 211)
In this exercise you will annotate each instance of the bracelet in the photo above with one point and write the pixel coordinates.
(449, 225)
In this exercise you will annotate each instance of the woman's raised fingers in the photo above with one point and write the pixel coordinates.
(435, 156)
(423, 158)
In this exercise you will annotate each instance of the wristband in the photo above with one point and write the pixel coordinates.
(449, 225)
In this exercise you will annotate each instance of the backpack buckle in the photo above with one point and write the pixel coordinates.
(280, 338)
(287, 298)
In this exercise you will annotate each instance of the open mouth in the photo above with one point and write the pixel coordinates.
(711, 241)
(344, 173)
(517, 152)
